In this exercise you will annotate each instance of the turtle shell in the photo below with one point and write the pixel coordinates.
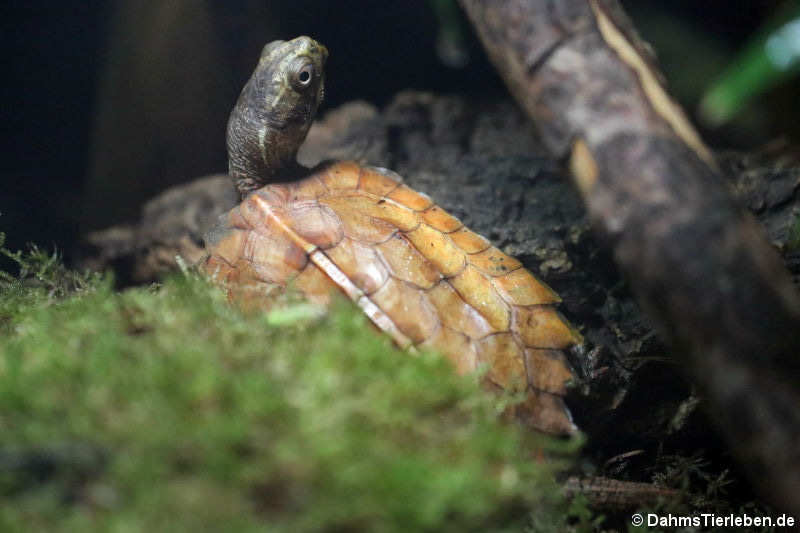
(415, 270)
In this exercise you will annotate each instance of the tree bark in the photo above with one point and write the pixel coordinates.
(699, 264)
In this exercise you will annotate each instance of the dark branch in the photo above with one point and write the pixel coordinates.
(699, 264)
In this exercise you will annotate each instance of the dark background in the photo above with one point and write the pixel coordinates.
(104, 105)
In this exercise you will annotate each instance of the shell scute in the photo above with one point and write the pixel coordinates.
(353, 212)
(410, 198)
(457, 347)
(504, 358)
(543, 327)
(316, 223)
(226, 243)
(477, 291)
(520, 287)
(391, 174)
(547, 370)
(307, 189)
(375, 182)
(315, 285)
(232, 219)
(437, 248)
(392, 213)
(342, 175)
(360, 263)
(276, 196)
(468, 241)
(409, 309)
(545, 411)
(219, 269)
(274, 257)
(441, 220)
(493, 262)
(406, 263)
(456, 314)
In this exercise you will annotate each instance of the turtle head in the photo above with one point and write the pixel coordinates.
(274, 112)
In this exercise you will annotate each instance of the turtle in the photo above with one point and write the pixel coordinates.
(341, 227)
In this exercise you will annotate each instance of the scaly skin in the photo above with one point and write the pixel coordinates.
(274, 112)
(415, 270)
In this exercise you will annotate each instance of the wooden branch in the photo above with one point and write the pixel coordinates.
(698, 263)
(613, 494)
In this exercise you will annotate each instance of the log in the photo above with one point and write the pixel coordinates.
(698, 263)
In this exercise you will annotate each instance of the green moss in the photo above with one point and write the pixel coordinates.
(164, 408)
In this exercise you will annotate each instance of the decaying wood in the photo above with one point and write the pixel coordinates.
(172, 224)
(699, 264)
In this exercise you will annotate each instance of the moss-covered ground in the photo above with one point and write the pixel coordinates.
(165, 409)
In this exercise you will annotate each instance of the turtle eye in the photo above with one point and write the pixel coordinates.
(304, 76)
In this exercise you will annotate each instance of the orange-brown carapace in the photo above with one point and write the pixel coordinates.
(414, 269)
